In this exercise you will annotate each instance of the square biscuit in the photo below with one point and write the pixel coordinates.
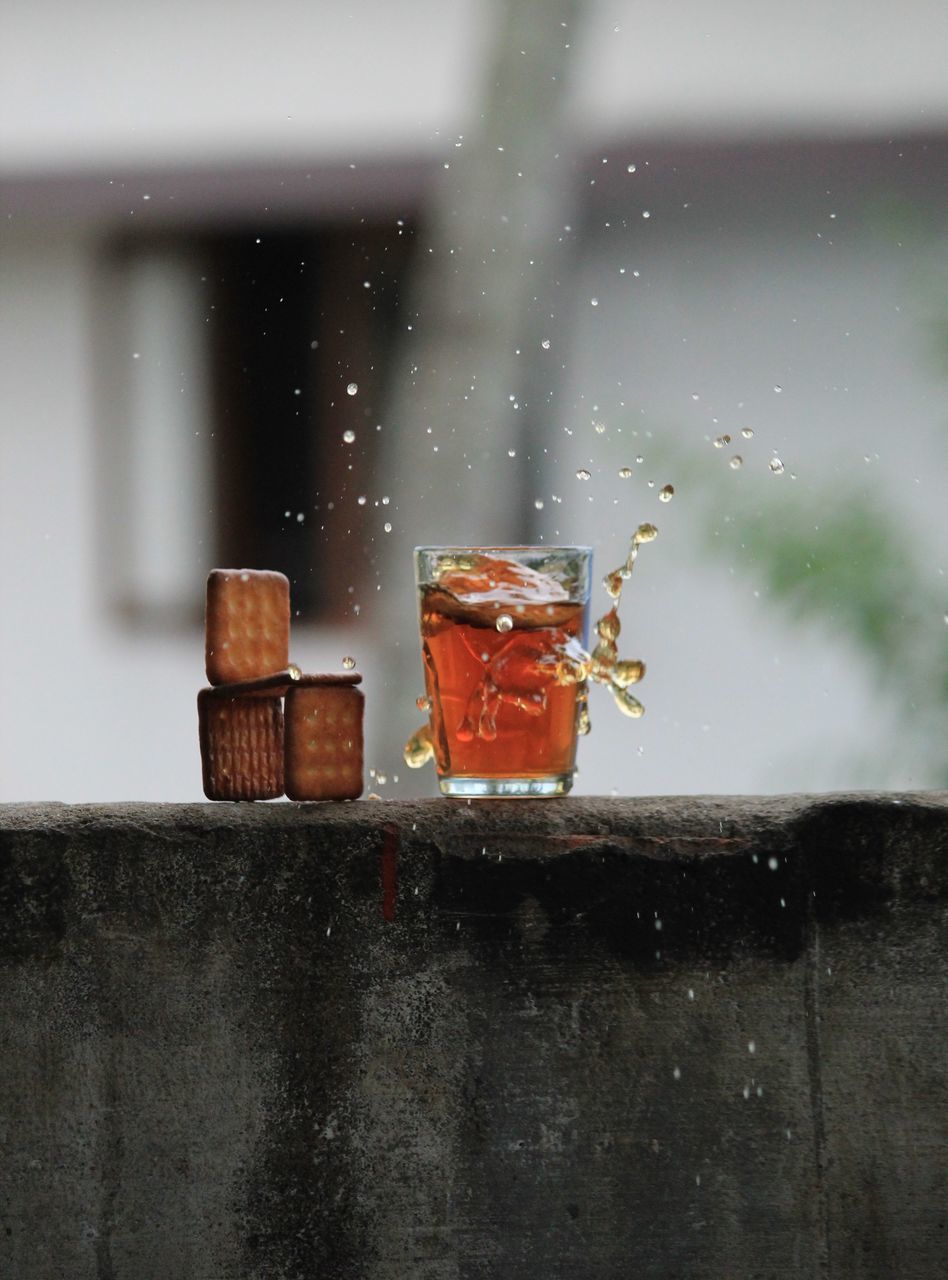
(241, 746)
(247, 625)
(323, 754)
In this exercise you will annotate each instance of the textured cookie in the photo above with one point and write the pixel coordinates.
(247, 628)
(324, 740)
(241, 745)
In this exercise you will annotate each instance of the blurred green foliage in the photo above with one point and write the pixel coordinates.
(846, 562)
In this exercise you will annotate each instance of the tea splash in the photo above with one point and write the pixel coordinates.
(526, 665)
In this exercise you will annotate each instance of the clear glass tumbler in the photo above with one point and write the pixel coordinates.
(503, 635)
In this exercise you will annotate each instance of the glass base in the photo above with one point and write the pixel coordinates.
(553, 785)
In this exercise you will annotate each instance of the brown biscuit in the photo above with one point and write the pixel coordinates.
(247, 630)
(241, 746)
(324, 741)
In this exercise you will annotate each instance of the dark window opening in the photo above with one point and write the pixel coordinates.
(299, 317)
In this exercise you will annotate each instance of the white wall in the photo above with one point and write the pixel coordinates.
(110, 83)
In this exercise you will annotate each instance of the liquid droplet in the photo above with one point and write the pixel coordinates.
(545, 344)
(504, 622)
(721, 441)
(583, 474)
(538, 503)
(387, 527)
(645, 213)
(348, 662)
(747, 433)
(349, 436)
(361, 499)
(666, 493)
(594, 302)
(776, 466)
(511, 453)
(423, 702)
(778, 390)
(600, 428)
(418, 749)
(625, 472)
(352, 389)
(631, 168)
(736, 462)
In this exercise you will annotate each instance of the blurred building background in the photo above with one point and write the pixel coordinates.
(301, 285)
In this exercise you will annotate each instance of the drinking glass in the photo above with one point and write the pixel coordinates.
(503, 636)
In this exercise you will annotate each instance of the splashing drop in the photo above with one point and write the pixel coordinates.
(666, 493)
(776, 466)
(625, 472)
(349, 436)
(504, 622)
(352, 389)
(736, 462)
(747, 433)
(348, 663)
(583, 474)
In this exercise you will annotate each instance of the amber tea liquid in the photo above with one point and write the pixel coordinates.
(501, 645)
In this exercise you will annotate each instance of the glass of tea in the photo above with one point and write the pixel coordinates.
(503, 635)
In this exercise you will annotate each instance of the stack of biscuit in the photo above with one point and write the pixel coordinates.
(266, 729)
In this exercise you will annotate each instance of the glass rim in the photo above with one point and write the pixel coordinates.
(514, 546)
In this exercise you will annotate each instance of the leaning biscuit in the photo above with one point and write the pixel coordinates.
(241, 745)
(323, 736)
(247, 631)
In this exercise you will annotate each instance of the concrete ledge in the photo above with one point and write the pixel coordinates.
(584, 1039)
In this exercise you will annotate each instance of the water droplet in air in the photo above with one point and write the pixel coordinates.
(545, 344)
(667, 493)
(639, 459)
(747, 432)
(677, 1073)
(387, 527)
(583, 474)
(776, 466)
(721, 441)
(594, 302)
(630, 168)
(348, 436)
(773, 864)
(361, 499)
(352, 388)
(645, 213)
(751, 1046)
(736, 462)
(348, 662)
(504, 622)
(778, 390)
(625, 472)
(538, 503)
(600, 428)
(511, 453)
(423, 702)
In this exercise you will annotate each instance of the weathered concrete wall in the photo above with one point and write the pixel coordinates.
(588, 1040)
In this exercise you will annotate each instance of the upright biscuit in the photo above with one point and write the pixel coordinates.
(241, 746)
(323, 754)
(247, 631)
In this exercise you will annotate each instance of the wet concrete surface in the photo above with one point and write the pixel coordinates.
(595, 1039)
